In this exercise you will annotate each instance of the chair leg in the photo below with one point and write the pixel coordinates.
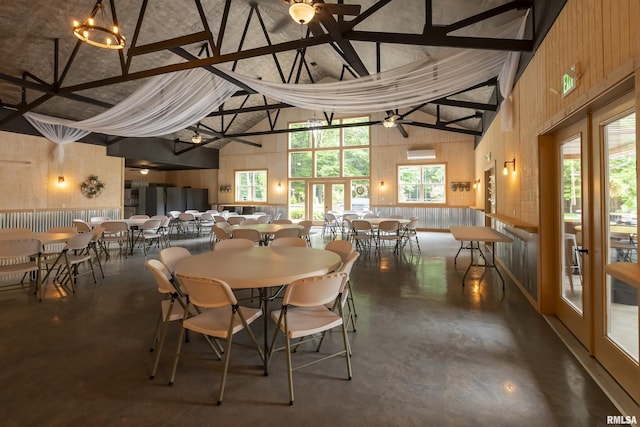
(163, 334)
(289, 368)
(177, 356)
(227, 355)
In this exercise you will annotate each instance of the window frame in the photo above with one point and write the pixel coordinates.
(252, 187)
(421, 184)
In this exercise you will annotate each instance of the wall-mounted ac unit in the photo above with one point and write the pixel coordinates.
(429, 153)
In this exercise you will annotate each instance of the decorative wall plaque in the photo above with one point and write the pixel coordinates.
(92, 187)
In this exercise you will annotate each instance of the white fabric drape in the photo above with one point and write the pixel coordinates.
(506, 79)
(163, 105)
(57, 133)
(171, 102)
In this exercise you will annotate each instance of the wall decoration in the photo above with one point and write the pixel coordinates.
(92, 187)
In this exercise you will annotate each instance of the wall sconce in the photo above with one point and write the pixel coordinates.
(279, 186)
(381, 185)
(225, 189)
(476, 183)
(505, 171)
(60, 180)
(462, 186)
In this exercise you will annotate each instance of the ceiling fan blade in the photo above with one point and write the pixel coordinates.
(339, 9)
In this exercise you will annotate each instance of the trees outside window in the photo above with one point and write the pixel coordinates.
(422, 184)
(251, 186)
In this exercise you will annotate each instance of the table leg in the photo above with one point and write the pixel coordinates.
(470, 263)
(265, 315)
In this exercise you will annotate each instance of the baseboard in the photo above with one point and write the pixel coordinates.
(620, 398)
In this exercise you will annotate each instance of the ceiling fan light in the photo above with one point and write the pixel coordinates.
(302, 12)
(388, 123)
(196, 138)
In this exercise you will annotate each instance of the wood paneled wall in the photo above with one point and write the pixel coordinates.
(29, 178)
(388, 150)
(601, 38)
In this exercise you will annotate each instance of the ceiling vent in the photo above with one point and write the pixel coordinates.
(421, 154)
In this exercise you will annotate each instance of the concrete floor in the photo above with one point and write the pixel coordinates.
(427, 351)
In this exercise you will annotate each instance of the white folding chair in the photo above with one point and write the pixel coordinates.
(221, 317)
(304, 314)
(23, 258)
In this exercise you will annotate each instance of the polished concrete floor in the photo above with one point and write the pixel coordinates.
(427, 352)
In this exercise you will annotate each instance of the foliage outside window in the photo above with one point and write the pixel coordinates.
(324, 153)
(251, 186)
(297, 199)
(422, 184)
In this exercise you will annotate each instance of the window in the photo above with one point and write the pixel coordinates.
(422, 184)
(251, 186)
(330, 153)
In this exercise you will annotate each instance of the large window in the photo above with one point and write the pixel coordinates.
(251, 186)
(330, 153)
(422, 184)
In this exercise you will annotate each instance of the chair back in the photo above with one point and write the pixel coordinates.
(289, 241)
(160, 217)
(192, 211)
(170, 256)
(370, 215)
(389, 226)
(307, 228)
(151, 225)
(79, 241)
(329, 217)
(206, 217)
(96, 232)
(115, 227)
(207, 293)
(233, 244)
(286, 232)
(412, 225)
(162, 276)
(314, 291)
(186, 217)
(347, 265)
(219, 218)
(283, 221)
(235, 219)
(341, 247)
(361, 225)
(264, 219)
(246, 233)
(220, 233)
(81, 226)
(19, 248)
(212, 211)
(174, 214)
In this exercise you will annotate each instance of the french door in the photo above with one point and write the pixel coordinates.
(596, 210)
(616, 331)
(325, 196)
(573, 295)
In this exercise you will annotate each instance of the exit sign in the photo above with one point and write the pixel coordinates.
(569, 81)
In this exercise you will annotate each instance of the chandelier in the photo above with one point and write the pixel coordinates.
(99, 30)
(313, 124)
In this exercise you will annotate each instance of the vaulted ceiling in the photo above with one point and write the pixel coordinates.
(47, 70)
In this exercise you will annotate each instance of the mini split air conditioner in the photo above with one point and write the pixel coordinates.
(421, 154)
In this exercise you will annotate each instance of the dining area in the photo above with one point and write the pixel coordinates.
(99, 341)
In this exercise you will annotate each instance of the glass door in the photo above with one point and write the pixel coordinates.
(324, 197)
(573, 295)
(616, 331)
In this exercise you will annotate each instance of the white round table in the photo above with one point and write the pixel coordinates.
(260, 267)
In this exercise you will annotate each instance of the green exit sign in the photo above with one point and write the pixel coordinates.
(569, 81)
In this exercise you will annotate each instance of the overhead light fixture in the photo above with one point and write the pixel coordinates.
(99, 30)
(390, 122)
(144, 171)
(505, 170)
(302, 11)
(196, 138)
(313, 124)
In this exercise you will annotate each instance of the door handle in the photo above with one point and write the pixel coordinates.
(583, 251)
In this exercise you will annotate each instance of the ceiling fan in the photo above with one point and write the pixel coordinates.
(305, 11)
(393, 120)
